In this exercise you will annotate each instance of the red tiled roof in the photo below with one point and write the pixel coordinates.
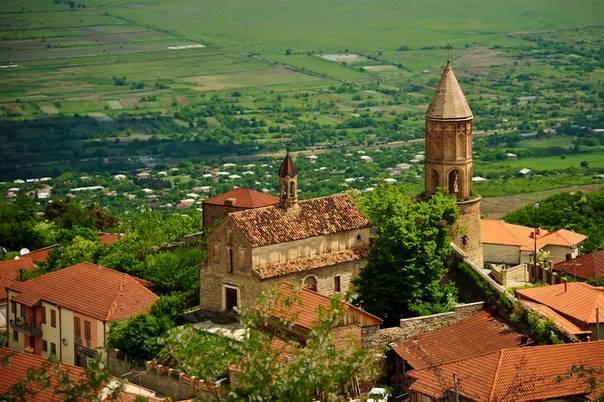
(14, 366)
(314, 217)
(579, 301)
(89, 289)
(244, 198)
(304, 308)
(478, 334)
(109, 238)
(13, 369)
(4, 283)
(511, 375)
(558, 319)
(586, 266)
(310, 263)
(501, 232)
(10, 268)
(41, 254)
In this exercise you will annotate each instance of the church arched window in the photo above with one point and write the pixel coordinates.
(310, 282)
(454, 182)
(292, 189)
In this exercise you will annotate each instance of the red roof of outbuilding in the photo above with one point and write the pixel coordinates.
(10, 268)
(41, 254)
(585, 267)
(15, 365)
(244, 198)
(519, 374)
(478, 334)
(93, 290)
(109, 238)
(578, 300)
(305, 308)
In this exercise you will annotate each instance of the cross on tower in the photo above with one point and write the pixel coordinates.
(448, 47)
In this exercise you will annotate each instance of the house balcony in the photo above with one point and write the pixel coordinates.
(20, 325)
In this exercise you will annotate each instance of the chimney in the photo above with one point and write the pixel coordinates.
(524, 339)
(230, 202)
(565, 282)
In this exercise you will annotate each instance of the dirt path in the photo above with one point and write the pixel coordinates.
(498, 207)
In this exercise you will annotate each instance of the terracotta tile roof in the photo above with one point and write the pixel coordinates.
(4, 283)
(579, 301)
(501, 232)
(109, 238)
(89, 289)
(309, 263)
(478, 334)
(510, 375)
(560, 320)
(305, 308)
(314, 217)
(10, 268)
(586, 266)
(288, 167)
(244, 198)
(448, 101)
(41, 254)
(561, 237)
(14, 366)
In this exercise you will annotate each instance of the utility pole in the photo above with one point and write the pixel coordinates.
(535, 230)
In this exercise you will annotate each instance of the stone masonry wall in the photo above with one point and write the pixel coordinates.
(410, 327)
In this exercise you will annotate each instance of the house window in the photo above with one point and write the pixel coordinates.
(53, 348)
(44, 346)
(310, 283)
(77, 332)
(13, 307)
(22, 310)
(336, 283)
(43, 315)
(15, 336)
(53, 318)
(87, 333)
(230, 260)
(358, 237)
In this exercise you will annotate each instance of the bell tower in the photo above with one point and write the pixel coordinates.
(448, 163)
(288, 183)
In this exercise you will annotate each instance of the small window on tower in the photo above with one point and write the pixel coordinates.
(464, 241)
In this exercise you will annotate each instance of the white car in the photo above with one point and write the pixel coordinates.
(378, 395)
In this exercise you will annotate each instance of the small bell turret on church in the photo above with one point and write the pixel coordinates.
(448, 163)
(288, 183)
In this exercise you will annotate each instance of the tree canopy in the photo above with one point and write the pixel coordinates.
(580, 212)
(406, 266)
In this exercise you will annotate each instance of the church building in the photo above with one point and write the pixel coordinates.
(321, 243)
(448, 163)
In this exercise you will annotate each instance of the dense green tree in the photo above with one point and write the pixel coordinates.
(406, 266)
(580, 212)
(315, 370)
(78, 250)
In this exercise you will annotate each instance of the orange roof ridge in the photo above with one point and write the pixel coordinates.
(499, 360)
(90, 289)
(245, 198)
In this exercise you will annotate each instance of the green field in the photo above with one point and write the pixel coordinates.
(101, 86)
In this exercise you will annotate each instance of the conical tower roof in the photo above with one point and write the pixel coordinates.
(288, 167)
(448, 101)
